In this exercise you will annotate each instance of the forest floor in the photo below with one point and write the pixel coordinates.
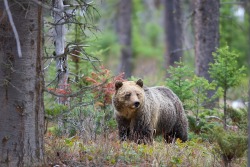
(107, 150)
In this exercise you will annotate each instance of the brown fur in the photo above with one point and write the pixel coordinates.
(142, 112)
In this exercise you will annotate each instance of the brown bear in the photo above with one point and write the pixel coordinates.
(142, 112)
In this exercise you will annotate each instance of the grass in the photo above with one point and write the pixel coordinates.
(109, 151)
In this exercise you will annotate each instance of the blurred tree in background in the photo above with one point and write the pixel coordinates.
(206, 25)
(124, 34)
(173, 31)
(233, 24)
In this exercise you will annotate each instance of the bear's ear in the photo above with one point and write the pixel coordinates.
(118, 84)
(139, 82)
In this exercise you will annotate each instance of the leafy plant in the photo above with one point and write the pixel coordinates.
(231, 145)
(191, 89)
(104, 88)
(55, 110)
(104, 84)
(110, 151)
(63, 90)
(179, 81)
(226, 73)
(199, 97)
(202, 127)
(238, 117)
(195, 125)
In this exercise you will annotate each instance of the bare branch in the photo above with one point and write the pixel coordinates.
(71, 47)
(60, 10)
(48, 64)
(46, 6)
(19, 51)
(75, 94)
(181, 49)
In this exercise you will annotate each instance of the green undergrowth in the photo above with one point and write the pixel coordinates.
(111, 152)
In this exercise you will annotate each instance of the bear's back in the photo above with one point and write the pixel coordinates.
(162, 94)
(163, 100)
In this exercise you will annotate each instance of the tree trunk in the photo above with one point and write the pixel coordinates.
(124, 34)
(21, 85)
(206, 23)
(225, 109)
(226, 161)
(61, 62)
(59, 37)
(173, 32)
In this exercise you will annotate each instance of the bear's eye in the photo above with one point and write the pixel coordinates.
(127, 95)
(137, 94)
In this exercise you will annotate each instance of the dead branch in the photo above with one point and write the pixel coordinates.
(19, 51)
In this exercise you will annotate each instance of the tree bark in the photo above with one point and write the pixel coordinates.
(173, 32)
(225, 109)
(124, 35)
(21, 85)
(61, 62)
(206, 23)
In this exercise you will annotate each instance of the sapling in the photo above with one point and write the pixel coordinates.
(200, 97)
(226, 73)
(179, 81)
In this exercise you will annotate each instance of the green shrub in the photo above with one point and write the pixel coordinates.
(202, 127)
(199, 98)
(191, 89)
(238, 117)
(179, 81)
(226, 73)
(231, 145)
(55, 110)
(195, 125)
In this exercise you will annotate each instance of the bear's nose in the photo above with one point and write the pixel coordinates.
(136, 104)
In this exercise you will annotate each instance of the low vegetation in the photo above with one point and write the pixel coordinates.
(89, 136)
(109, 151)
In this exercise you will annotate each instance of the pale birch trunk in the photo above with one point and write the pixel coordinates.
(61, 62)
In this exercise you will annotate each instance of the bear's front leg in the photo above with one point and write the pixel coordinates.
(123, 128)
(142, 132)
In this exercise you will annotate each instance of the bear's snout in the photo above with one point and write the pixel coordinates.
(137, 104)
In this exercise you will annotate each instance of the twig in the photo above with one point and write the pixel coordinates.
(75, 94)
(214, 118)
(46, 6)
(181, 49)
(19, 51)
(48, 64)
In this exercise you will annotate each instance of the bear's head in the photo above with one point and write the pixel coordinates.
(129, 97)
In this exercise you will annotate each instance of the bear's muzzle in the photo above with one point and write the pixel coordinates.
(137, 104)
